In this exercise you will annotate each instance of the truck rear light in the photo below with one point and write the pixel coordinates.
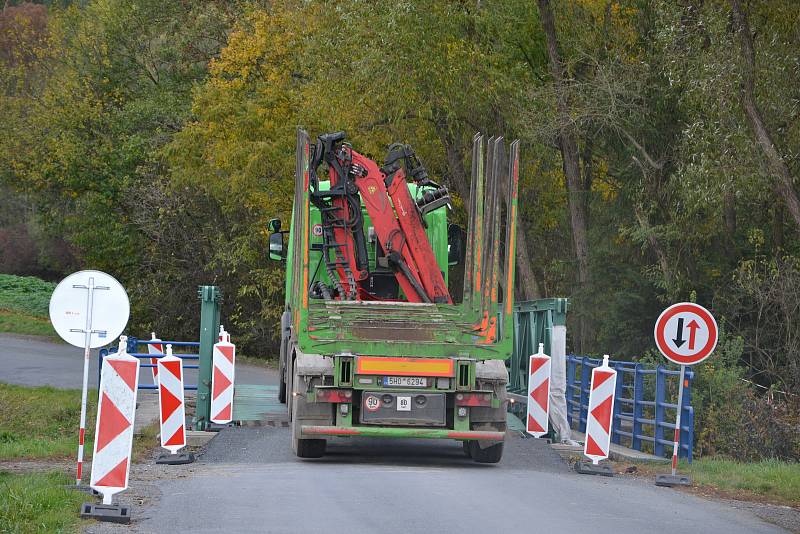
(473, 399)
(334, 395)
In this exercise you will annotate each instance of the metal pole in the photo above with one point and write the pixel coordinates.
(678, 421)
(209, 332)
(85, 391)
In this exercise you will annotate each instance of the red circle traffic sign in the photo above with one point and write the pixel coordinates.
(686, 333)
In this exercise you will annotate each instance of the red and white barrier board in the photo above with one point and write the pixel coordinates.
(170, 400)
(115, 415)
(538, 393)
(222, 379)
(154, 346)
(601, 409)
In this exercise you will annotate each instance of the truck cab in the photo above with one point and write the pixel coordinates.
(367, 348)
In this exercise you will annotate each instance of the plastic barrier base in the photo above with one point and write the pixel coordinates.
(175, 459)
(588, 468)
(112, 513)
(669, 481)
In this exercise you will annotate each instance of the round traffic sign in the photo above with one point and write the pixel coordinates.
(372, 403)
(686, 333)
(69, 308)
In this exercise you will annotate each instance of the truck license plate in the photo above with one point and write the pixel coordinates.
(405, 381)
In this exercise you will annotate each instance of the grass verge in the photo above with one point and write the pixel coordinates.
(38, 502)
(24, 305)
(26, 294)
(773, 479)
(768, 480)
(42, 422)
(21, 323)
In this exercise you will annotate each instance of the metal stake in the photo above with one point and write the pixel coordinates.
(674, 479)
(86, 353)
(676, 446)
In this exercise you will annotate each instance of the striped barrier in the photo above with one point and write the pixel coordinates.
(601, 406)
(172, 411)
(155, 348)
(115, 416)
(538, 393)
(223, 377)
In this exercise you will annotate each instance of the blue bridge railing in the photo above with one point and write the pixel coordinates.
(133, 350)
(643, 419)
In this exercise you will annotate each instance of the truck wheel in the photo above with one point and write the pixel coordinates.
(466, 445)
(309, 448)
(303, 448)
(489, 455)
(282, 381)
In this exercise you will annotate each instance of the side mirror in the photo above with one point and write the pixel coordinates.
(274, 225)
(456, 244)
(276, 246)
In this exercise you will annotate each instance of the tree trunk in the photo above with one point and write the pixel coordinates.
(454, 155)
(568, 144)
(784, 184)
(527, 279)
(655, 244)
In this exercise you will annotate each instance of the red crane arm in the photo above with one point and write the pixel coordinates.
(370, 182)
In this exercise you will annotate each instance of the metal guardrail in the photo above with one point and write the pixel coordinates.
(133, 345)
(642, 416)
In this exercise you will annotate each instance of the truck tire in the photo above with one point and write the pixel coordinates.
(466, 445)
(282, 375)
(489, 455)
(309, 448)
(303, 448)
(284, 355)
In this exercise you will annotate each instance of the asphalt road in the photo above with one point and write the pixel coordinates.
(31, 361)
(249, 481)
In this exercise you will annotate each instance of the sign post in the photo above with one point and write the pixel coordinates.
(686, 334)
(88, 309)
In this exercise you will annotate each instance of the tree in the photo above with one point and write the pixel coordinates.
(784, 183)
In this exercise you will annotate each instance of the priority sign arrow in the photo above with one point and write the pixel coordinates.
(679, 341)
(692, 326)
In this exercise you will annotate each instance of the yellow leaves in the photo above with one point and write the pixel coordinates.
(602, 24)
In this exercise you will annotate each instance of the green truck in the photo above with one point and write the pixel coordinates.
(372, 344)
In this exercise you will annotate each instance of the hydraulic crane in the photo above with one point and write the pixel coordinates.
(397, 220)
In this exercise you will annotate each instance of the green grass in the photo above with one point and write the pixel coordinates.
(772, 479)
(26, 294)
(38, 502)
(42, 422)
(20, 323)
(24, 303)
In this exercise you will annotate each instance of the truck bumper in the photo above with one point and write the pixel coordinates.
(384, 432)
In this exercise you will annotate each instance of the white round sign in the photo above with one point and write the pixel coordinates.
(69, 308)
